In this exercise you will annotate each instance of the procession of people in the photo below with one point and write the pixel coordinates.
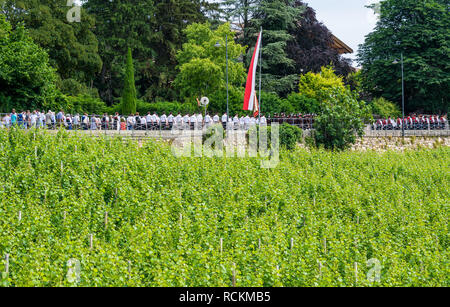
(153, 121)
(412, 122)
(136, 121)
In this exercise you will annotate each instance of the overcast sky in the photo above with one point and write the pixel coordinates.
(349, 20)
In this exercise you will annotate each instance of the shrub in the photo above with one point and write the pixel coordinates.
(341, 119)
(303, 104)
(85, 104)
(385, 108)
(290, 136)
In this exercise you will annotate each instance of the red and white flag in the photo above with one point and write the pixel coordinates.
(250, 101)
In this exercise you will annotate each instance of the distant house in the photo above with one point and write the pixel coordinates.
(340, 46)
(337, 44)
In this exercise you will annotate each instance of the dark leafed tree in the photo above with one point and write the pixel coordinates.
(293, 41)
(421, 31)
(311, 46)
(72, 47)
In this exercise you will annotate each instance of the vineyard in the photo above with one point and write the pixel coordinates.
(130, 214)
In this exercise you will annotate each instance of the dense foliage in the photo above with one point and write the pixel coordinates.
(202, 61)
(340, 121)
(165, 229)
(26, 77)
(154, 30)
(311, 46)
(72, 47)
(421, 31)
(385, 108)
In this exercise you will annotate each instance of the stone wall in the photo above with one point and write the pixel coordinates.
(398, 143)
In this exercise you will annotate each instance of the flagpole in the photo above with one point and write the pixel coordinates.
(260, 70)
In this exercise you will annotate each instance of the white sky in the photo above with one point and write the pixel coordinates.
(349, 20)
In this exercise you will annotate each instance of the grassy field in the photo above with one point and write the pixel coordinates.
(138, 216)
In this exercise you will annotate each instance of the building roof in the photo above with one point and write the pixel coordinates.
(340, 46)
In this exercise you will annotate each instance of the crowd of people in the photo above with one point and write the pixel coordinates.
(412, 122)
(150, 121)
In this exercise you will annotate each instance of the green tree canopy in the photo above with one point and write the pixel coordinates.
(154, 30)
(202, 64)
(314, 90)
(72, 47)
(26, 78)
(421, 31)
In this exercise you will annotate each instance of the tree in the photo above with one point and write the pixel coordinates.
(202, 65)
(27, 80)
(72, 47)
(421, 31)
(122, 24)
(277, 19)
(170, 19)
(314, 90)
(154, 30)
(239, 12)
(384, 108)
(340, 120)
(129, 89)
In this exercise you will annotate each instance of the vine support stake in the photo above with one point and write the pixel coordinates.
(292, 243)
(181, 218)
(7, 263)
(106, 220)
(221, 245)
(325, 245)
(20, 216)
(234, 275)
(259, 243)
(356, 272)
(62, 168)
(35, 152)
(320, 269)
(129, 268)
(91, 241)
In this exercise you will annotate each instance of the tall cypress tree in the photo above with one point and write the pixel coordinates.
(129, 89)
